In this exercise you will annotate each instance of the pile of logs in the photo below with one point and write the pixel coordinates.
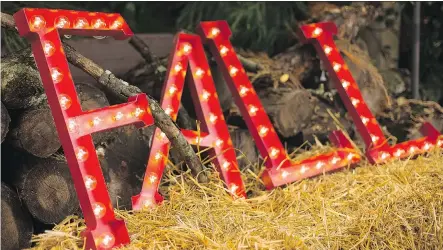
(37, 188)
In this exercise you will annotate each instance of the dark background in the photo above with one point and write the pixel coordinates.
(259, 26)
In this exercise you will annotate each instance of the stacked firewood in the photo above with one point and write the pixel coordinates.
(37, 189)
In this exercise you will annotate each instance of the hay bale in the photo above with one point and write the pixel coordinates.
(398, 205)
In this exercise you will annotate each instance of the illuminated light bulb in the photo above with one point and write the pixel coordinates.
(212, 118)
(178, 67)
(158, 156)
(56, 75)
(99, 210)
(107, 240)
(187, 48)
(138, 112)
(374, 138)
(219, 142)
(96, 121)
(90, 182)
(274, 153)
(223, 50)
(37, 23)
(62, 22)
(65, 101)
(162, 135)
(328, 50)
(205, 95)
(384, 155)
(168, 111)
(243, 91)
(199, 72)
(48, 48)
(319, 165)
(303, 169)
(335, 160)
(81, 23)
(412, 149)
(284, 174)
(72, 126)
(336, 67)
(152, 178)
(263, 131)
(350, 156)
(172, 89)
(233, 188)
(427, 146)
(118, 116)
(317, 32)
(198, 140)
(117, 24)
(355, 101)
(365, 120)
(81, 154)
(98, 24)
(147, 203)
(226, 165)
(252, 110)
(233, 71)
(399, 152)
(345, 84)
(214, 32)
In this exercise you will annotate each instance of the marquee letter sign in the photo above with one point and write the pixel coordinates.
(377, 148)
(215, 134)
(43, 28)
(280, 169)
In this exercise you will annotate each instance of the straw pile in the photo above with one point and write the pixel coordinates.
(394, 206)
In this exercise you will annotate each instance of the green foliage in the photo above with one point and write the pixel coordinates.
(259, 26)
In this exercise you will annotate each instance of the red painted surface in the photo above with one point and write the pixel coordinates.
(189, 58)
(43, 27)
(377, 148)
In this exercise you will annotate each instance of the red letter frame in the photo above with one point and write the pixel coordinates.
(215, 134)
(377, 148)
(42, 27)
(279, 168)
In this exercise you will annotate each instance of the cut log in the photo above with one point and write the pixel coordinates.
(124, 163)
(289, 110)
(21, 86)
(16, 223)
(47, 189)
(245, 148)
(407, 116)
(6, 119)
(91, 98)
(35, 133)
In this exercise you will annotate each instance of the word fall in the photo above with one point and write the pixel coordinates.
(43, 27)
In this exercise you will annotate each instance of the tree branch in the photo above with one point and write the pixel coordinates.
(123, 90)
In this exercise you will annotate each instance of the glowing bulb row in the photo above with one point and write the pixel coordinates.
(62, 22)
(410, 150)
(96, 121)
(320, 164)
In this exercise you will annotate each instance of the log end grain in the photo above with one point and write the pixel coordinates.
(21, 86)
(48, 190)
(244, 144)
(16, 223)
(35, 133)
